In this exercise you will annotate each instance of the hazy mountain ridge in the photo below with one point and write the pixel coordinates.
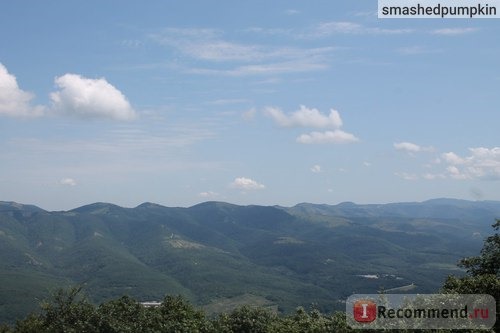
(215, 250)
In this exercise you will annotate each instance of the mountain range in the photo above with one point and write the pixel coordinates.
(220, 255)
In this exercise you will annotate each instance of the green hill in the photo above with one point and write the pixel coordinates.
(217, 253)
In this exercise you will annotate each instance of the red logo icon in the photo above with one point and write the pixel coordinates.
(365, 311)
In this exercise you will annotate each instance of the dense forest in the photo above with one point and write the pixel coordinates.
(69, 311)
(219, 256)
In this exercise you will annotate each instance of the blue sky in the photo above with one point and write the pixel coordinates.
(249, 102)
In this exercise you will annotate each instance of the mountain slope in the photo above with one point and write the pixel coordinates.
(216, 251)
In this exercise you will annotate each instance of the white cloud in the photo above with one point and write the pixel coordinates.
(264, 69)
(316, 168)
(254, 59)
(336, 136)
(327, 29)
(482, 163)
(305, 117)
(206, 44)
(410, 147)
(453, 31)
(15, 102)
(67, 182)
(90, 98)
(455, 173)
(452, 158)
(312, 118)
(243, 183)
(407, 146)
(219, 50)
(208, 194)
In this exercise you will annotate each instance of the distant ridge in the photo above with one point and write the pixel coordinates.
(11, 205)
(14, 206)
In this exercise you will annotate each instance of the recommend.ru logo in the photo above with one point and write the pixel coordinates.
(424, 311)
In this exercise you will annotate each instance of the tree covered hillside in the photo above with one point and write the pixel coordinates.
(218, 255)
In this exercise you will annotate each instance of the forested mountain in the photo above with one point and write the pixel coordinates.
(218, 254)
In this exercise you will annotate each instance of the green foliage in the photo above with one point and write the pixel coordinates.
(123, 315)
(68, 311)
(4, 328)
(246, 319)
(33, 323)
(488, 262)
(484, 273)
(175, 314)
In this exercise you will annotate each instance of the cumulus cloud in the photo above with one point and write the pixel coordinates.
(313, 118)
(208, 194)
(14, 101)
(243, 183)
(455, 173)
(410, 147)
(482, 163)
(316, 168)
(452, 158)
(305, 117)
(90, 98)
(67, 182)
(337, 136)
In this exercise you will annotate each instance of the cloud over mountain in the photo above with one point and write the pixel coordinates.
(244, 183)
(482, 163)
